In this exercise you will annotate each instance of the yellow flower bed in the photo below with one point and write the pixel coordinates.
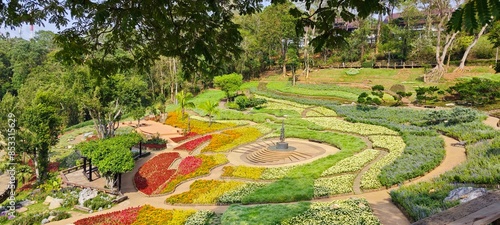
(232, 138)
(151, 215)
(213, 194)
(219, 140)
(243, 172)
(204, 192)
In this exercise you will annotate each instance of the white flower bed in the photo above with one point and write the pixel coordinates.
(278, 106)
(273, 173)
(325, 111)
(199, 218)
(289, 103)
(237, 194)
(358, 128)
(312, 113)
(345, 212)
(333, 185)
(353, 163)
(395, 145)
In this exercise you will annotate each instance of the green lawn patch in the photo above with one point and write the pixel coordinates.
(284, 190)
(262, 214)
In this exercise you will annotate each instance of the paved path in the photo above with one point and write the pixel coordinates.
(380, 201)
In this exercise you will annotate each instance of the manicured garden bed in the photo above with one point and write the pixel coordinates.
(155, 172)
(193, 144)
(189, 168)
(147, 214)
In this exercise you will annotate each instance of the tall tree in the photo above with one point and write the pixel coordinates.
(43, 121)
(443, 14)
(187, 29)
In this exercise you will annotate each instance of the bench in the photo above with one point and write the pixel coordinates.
(92, 170)
(429, 106)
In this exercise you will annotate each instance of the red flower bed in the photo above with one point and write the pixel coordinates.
(191, 145)
(155, 146)
(189, 165)
(123, 217)
(155, 172)
(187, 136)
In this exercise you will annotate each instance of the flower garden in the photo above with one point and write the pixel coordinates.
(379, 148)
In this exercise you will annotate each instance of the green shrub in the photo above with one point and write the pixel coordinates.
(242, 101)
(156, 140)
(497, 67)
(102, 200)
(423, 199)
(476, 91)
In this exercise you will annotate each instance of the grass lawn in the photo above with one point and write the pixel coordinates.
(262, 214)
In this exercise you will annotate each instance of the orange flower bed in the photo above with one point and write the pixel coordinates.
(219, 140)
(200, 127)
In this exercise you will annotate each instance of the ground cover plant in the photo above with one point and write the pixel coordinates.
(263, 214)
(350, 211)
(333, 185)
(395, 145)
(208, 162)
(229, 139)
(155, 172)
(423, 199)
(205, 192)
(427, 198)
(358, 128)
(184, 137)
(193, 144)
(146, 215)
(353, 163)
(316, 90)
(200, 127)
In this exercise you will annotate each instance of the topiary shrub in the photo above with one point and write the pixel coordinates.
(398, 88)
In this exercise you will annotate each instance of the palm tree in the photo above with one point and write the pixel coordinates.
(210, 108)
(183, 101)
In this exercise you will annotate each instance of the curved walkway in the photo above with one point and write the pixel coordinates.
(380, 200)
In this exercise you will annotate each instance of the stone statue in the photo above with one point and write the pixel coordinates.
(282, 135)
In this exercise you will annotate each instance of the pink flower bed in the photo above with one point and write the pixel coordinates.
(187, 136)
(191, 145)
(123, 217)
(189, 165)
(155, 172)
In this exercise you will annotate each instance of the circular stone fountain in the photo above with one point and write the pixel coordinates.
(278, 152)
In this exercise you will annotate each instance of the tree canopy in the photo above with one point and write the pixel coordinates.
(189, 29)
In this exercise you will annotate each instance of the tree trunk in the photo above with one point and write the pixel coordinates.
(306, 52)
(466, 53)
(379, 24)
(285, 45)
(35, 161)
